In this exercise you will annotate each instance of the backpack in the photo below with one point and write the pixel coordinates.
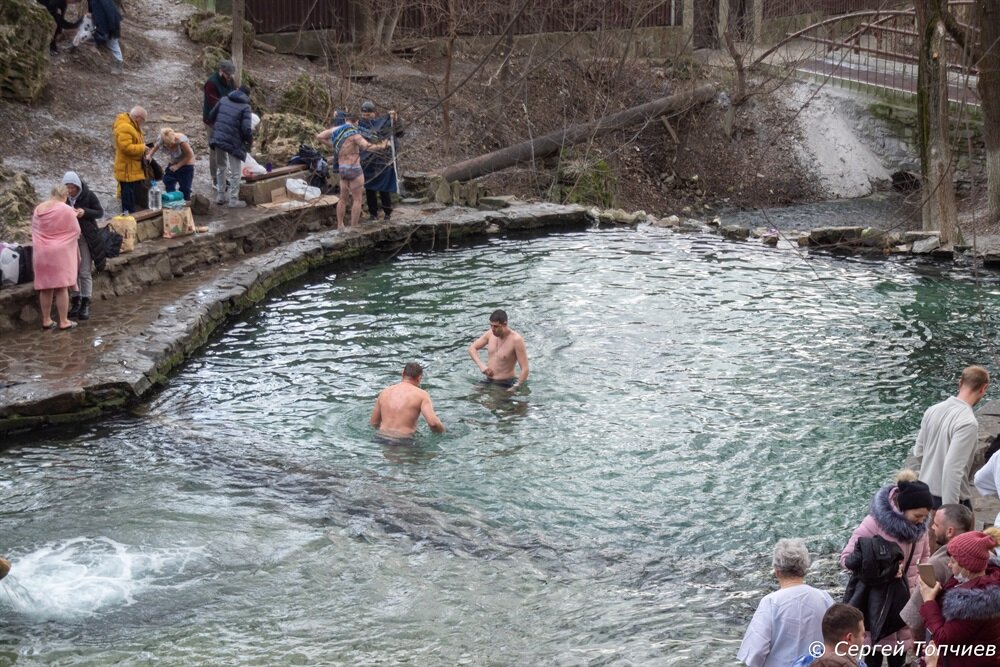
(15, 264)
(112, 242)
(314, 162)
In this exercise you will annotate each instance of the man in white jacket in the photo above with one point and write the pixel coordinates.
(947, 440)
(987, 480)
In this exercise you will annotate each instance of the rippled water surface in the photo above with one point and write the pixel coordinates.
(690, 402)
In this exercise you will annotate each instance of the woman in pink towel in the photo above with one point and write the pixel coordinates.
(56, 257)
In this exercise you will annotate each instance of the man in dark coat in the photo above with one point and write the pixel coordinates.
(220, 84)
(379, 166)
(232, 136)
(88, 211)
(107, 29)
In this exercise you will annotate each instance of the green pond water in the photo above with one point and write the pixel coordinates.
(690, 402)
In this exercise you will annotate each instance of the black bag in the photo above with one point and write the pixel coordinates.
(314, 162)
(112, 241)
(26, 270)
(152, 168)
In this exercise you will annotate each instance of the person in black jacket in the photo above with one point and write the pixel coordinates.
(88, 211)
(107, 29)
(57, 9)
(232, 136)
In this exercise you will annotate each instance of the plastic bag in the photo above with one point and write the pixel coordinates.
(85, 32)
(252, 167)
(299, 189)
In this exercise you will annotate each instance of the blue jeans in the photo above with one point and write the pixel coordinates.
(182, 178)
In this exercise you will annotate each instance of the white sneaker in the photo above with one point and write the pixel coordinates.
(237, 203)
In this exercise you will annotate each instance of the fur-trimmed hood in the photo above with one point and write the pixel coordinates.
(975, 600)
(891, 520)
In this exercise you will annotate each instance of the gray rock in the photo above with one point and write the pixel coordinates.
(926, 246)
(835, 235)
(669, 221)
(734, 232)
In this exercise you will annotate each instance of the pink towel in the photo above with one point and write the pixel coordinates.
(55, 257)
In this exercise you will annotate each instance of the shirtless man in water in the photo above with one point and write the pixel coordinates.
(399, 406)
(504, 348)
(4, 567)
(352, 178)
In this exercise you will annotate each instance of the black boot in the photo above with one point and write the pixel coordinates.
(74, 307)
(84, 309)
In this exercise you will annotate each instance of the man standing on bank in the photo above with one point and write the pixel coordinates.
(220, 84)
(399, 406)
(379, 166)
(504, 349)
(947, 440)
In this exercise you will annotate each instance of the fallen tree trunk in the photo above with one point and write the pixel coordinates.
(552, 143)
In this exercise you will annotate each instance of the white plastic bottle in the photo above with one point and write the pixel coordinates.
(155, 196)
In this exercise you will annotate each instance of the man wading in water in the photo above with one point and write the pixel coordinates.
(504, 348)
(348, 143)
(399, 406)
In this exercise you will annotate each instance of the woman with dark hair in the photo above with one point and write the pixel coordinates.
(895, 531)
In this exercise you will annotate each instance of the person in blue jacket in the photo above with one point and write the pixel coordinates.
(381, 180)
(232, 136)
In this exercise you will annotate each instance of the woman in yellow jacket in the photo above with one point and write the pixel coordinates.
(130, 147)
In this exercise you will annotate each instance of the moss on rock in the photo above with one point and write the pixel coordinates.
(215, 30)
(25, 30)
(17, 200)
(308, 97)
(280, 134)
(586, 182)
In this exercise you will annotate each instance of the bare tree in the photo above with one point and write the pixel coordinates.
(239, 11)
(984, 52)
(938, 211)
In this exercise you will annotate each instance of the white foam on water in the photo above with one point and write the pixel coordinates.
(81, 577)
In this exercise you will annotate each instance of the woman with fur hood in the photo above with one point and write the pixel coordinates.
(898, 514)
(965, 612)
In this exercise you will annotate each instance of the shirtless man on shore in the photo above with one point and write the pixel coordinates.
(399, 406)
(348, 146)
(504, 349)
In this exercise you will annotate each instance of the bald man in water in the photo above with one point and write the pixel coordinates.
(399, 406)
(4, 567)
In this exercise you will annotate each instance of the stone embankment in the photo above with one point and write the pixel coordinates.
(157, 305)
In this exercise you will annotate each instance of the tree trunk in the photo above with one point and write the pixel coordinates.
(239, 10)
(938, 211)
(445, 104)
(988, 19)
(552, 143)
(390, 25)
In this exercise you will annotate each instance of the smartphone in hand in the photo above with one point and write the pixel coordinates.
(927, 574)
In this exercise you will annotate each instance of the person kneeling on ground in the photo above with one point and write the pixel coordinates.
(88, 211)
(179, 172)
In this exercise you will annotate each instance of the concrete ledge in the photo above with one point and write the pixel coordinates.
(184, 289)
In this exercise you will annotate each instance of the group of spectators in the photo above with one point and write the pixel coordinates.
(64, 228)
(923, 582)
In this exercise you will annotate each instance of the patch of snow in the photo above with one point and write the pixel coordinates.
(846, 166)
